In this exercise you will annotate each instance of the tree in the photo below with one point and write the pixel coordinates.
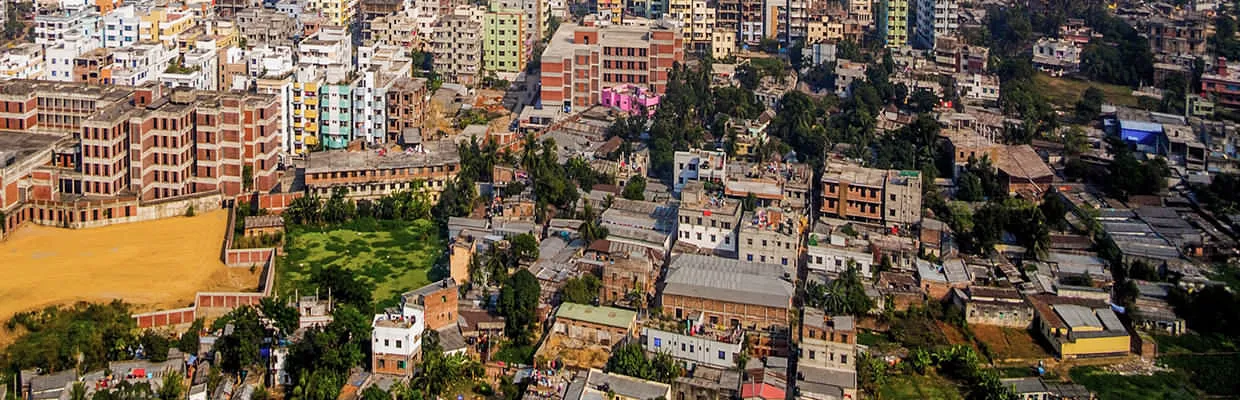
(285, 317)
(239, 350)
(155, 345)
(77, 392)
(525, 246)
(188, 343)
(581, 290)
(172, 387)
(1090, 104)
(635, 189)
(630, 359)
(845, 295)
(344, 285)
(589, 228)
(517, 301)
(375, 393)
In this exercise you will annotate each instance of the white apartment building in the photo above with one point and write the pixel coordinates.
(25, 61)
(982, 88)
(379, 67)
(198, 70)
(708, 346)
(269, 61)
(708, 222)
(699, 165)
(141, 63)
(936, 18)
(54, 26)
(396, 340)
(120, 28)
(60, 56)
(834, 252)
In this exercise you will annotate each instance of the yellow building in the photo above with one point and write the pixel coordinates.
(1077, 328)
(305, 105)
(164, 26)
(337, 12)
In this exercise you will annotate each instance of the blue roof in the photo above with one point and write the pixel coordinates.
(1140, 126)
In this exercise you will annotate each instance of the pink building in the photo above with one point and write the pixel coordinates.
(630, 99)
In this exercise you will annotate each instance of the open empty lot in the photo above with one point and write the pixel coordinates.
(152, 265)
(1009, 343)
(395, 256)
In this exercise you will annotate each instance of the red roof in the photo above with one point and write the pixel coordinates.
(761, 391)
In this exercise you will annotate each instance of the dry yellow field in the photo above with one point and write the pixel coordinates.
(153, 265)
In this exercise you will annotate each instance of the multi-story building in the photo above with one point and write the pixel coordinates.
(695, 343)
(581, 60)
(369, 10)
(504, 51)
(770, 236)
(1223, 84)
(752, 21)
(953, 56)
(853, 192)
(831, 251)
(164, 25)
(828, 353)
(457, 48)
(609, 10)
(696, 20)
(120, 28)
(893, 22)
(261, 26)
(337, 12)
(132, 146)
(406, 107)
(1056, 56)
(438, 302)
(198, 70)
(699, 165)
(936, 18)
(784, 185)
(380, 68)
(93, 67)
(397, 340)
(394, 30)
(627, 279)
(708, 222)
(726, 292)
(24, 61)
(978, 88)
(1177, 36)
(371, 175)
(336, 112)
(54, 25)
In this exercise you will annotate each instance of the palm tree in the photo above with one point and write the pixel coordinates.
(78, 392)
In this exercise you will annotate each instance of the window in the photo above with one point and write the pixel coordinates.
(382, 364)
(400, 364)
(722, 355)
(658, 342)
(844, 359)
(385, 342)
(398, 344)
(812, 354)
(749, 257)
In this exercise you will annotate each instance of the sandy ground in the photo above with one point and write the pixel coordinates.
(153, 265)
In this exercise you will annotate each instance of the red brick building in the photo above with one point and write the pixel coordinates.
(582, 60)
(87, 154)
(439, 301)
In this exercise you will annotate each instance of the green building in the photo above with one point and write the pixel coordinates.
(504, 51)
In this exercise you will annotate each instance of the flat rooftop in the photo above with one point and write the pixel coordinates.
(332, 161)
(16, 146)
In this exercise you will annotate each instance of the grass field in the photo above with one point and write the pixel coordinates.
(152, 265)
(395, 256)
(912, 386)
(1064, 92)
(1008, 343)
(1162, 385)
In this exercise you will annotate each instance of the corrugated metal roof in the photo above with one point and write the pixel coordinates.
(728, 280)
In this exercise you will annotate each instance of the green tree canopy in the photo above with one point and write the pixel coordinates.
(517, 301)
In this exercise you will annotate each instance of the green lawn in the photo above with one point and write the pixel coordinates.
(1163, 385)
(913, 386)
(395, 256)
(1064, 92)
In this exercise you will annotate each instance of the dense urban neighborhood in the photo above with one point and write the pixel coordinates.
(619, 199)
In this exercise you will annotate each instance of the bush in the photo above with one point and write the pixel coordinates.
(189, 212)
